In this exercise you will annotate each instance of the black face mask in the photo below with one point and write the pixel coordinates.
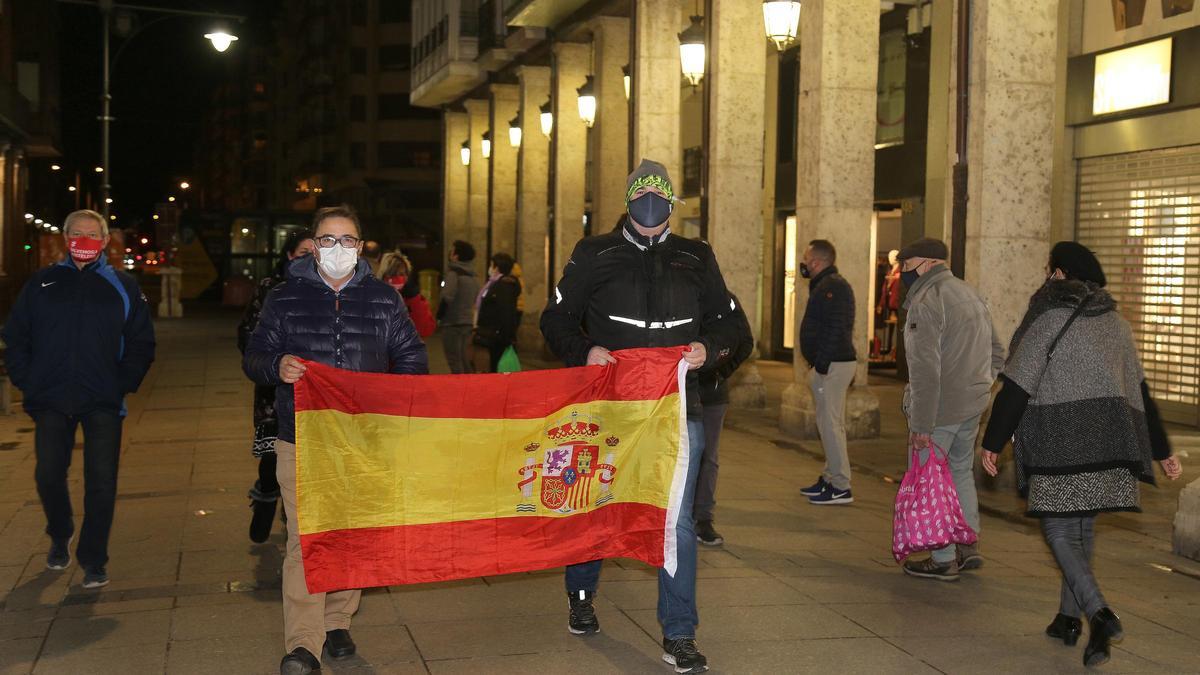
(650, 210)
(909, 278)
(805, 272)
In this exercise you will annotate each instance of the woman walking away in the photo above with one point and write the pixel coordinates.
(397, 271)
(265, 492)
(496, 325)
(1084, 428)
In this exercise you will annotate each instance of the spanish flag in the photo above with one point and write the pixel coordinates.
(407, 479)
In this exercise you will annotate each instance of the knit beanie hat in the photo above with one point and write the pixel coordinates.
(649, 173)
(1077, 262)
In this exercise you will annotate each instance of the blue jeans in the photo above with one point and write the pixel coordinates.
(676, 595)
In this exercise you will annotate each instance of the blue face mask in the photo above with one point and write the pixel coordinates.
(650, 210)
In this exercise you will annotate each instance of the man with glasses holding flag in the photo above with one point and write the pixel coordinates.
(331, 310)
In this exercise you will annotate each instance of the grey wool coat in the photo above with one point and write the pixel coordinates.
(1084, 427)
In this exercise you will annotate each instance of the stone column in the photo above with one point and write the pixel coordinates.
(1010, 155)
(533, 218)
(736, 87)
(610, 134)
(454, 196)
(502, 188)
(478, 119)
(569, 148)
(836, 182)
(655, 87)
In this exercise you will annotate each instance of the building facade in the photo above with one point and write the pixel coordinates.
(29, 138)
(871, 124)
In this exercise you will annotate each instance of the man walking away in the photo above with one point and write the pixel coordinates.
(457, 311)
(954, 356)
(79, 339)
(827, 344)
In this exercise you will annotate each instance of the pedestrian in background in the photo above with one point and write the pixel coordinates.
(397, 271)
(330, 310)
(456, 312)
(827, 344)
(714, 400)
(79, 339)
(953, 357)
(1085, 430)
(498, 316)
(265, 494)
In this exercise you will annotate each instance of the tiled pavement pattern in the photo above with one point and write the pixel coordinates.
(797, 588)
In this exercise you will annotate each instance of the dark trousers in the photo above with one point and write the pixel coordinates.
(53, 442)
(706, 487)
(1072, 539)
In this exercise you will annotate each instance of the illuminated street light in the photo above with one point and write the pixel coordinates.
(587, 101)
(245, 230)
(28, 216)
(155, 216)
(782, 20)
(626, 78)
(38, 221)
(99, 169)
(70, 188)
(547, 118)
(184, 185)
(144, 241)
(691, 51)
(486, 145)
(55, 167)
(112, 217)
(108, 200)
(514, 132)
(170, 199)
(465, 153)
(220, 39)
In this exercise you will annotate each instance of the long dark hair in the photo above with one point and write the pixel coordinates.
(290, 245)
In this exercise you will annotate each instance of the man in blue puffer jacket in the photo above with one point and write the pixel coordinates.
(331, 310)
(78, 340)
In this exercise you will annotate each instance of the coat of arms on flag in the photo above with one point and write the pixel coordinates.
(571, 469)
(408, 479)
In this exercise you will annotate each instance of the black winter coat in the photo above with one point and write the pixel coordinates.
(618, 293)
(79, 340)
(496, 326)
(364, 327)
(827, 331)
(714, 382)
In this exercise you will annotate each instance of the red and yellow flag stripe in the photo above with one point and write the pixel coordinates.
(407, 479)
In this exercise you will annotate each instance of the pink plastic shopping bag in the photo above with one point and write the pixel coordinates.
(928, 514)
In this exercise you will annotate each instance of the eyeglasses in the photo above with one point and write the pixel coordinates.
(345, 240)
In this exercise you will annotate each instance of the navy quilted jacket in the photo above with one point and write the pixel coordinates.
(363, 327)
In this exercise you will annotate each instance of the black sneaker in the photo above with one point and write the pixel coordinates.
(816, 488)
(684, 655)
(705, 534)
(832, 495)
(59, 557)
(94, 577)
(583, 615)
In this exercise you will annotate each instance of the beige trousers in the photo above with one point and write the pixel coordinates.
(306, 616)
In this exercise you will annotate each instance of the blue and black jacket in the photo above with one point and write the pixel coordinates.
(79, 340)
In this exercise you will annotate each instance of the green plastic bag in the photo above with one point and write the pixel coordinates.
(509, 363)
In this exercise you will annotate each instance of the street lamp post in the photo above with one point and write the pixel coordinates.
(220, 38)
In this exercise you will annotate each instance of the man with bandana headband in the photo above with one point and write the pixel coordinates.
(78, 340)
(642, 286)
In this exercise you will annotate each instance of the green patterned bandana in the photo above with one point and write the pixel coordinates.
(653, 181)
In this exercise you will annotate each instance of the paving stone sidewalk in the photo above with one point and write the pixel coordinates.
(796, 589)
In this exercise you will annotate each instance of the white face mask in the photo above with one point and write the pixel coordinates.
(337, 261)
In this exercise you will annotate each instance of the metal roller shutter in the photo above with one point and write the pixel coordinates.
(1140, 213)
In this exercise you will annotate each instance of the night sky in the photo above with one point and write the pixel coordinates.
(162, 83)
